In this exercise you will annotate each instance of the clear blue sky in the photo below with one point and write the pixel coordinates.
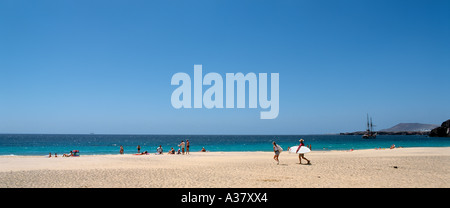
(105, 66)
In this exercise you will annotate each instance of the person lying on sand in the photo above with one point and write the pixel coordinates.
(68, 155)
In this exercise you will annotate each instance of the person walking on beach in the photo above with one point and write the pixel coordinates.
(277, 150)
(300, 156)
(181, 145)
(187, 146)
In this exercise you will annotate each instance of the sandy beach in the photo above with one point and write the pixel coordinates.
(404, 167)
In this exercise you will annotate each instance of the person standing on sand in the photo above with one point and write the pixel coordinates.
(182, 146)
(300, 156)
(276, 149)
(139, 148)
(187, 146)
(121, 149)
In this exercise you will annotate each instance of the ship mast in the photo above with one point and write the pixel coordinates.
(371, 125)
(369, 132)
(368, 122)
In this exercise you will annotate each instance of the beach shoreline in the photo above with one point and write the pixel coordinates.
(400, 167)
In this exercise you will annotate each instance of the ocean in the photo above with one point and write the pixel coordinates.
(93, 144)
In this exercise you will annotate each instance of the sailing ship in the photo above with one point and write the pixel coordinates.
(370, 134)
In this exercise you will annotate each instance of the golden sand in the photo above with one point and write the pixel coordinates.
(405, 167)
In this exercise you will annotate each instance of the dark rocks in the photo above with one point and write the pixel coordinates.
(442, 131)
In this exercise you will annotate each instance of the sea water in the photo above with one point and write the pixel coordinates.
(93, 144)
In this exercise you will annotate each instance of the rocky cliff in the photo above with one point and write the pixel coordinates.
(441, 131)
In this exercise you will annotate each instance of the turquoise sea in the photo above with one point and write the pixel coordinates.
(93, 144)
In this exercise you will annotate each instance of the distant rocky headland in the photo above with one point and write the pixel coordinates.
(389, 133)
(441, 131)
(401, 129)
(411, 127)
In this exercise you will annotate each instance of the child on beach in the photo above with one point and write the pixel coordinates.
(277, 150)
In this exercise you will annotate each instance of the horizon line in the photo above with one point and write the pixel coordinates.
(145, 134)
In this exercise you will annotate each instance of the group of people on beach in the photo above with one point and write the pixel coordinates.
(184, 149)
(277, 149)
(64, 155)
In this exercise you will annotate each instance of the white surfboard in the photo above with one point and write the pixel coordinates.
(302, 150)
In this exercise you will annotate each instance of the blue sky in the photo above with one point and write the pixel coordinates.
(106, 66)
